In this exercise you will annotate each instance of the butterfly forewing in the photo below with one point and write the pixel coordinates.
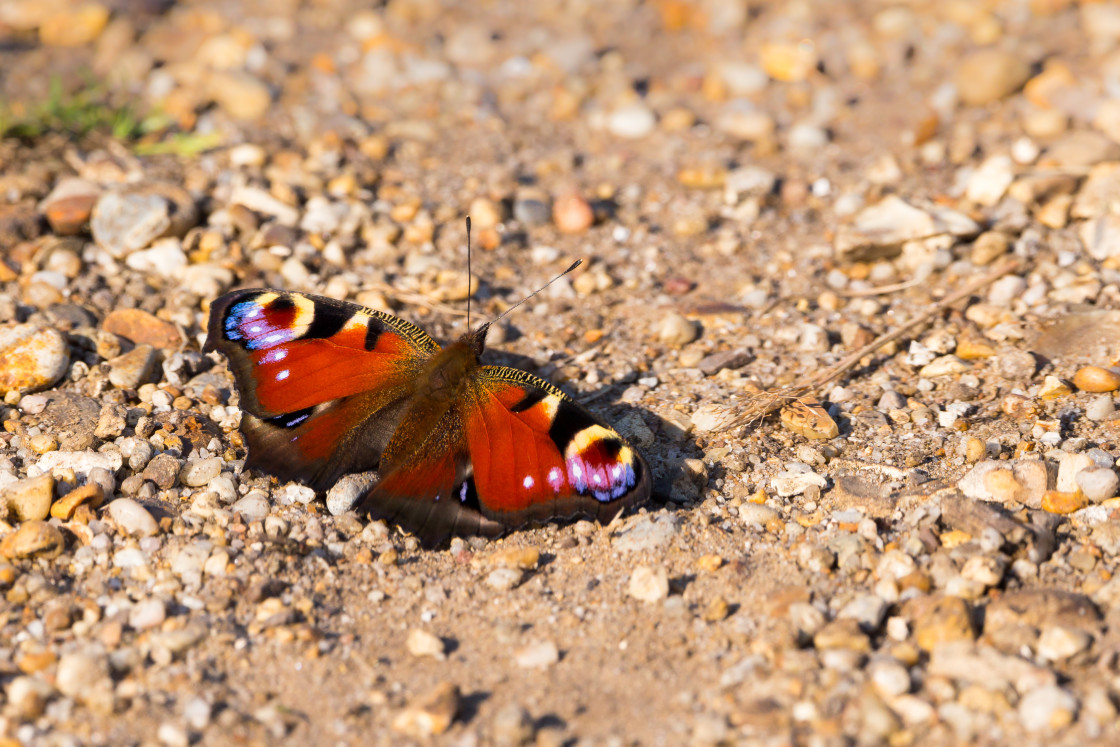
(323, 383)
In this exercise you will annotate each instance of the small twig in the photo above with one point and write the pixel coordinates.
(761, 406)
(882, 289)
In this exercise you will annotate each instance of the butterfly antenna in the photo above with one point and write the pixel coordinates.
(575, 264)
(468, 272)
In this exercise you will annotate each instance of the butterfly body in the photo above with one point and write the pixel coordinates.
(328, 388)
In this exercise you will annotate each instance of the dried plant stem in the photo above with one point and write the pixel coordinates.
(759, 407)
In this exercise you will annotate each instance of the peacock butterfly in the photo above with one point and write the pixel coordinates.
(329, 387)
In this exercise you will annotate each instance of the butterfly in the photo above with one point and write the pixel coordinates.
(330, 387)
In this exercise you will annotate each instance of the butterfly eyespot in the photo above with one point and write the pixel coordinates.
(282, 375)
(528, 482)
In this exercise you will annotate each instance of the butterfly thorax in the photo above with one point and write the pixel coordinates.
(435, 391)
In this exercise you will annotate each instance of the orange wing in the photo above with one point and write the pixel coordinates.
(537, 455)
(322, 382)
(513, 450)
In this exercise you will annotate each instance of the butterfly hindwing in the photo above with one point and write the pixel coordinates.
(322, 382)
(537, 455)
(512, 450)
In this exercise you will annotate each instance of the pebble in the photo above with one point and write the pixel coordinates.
(789, 62)
(80, 675)
(1058, 643)
(74, 26)
(1096, 379)
(421, 643)
(253, 507)
(34, 357)
(713, 363)
(430, 714)
(142, 328)
(797, 480)
(163, 470)
(947, 619)
(806, 619)
(643, 533)
(759, 516)
(91, 494)
(540, 655)
(881, 229)
(165, 257)
(572, 214)
(1007, 290)
(30, 498)
(988, 247)
(504, 579)
(1098, 484)
(240, 95)
(990, 180)
(649, 584)
(866, 609)
(124, 223)
(890, 678)
(945, 365)
(172, 735)
(197, 473)
(989, 75)
(69, 205)
(1053, 388)
(136, 367)
(345, 494)
(1047, 709)
(676, 330)
(132, 518)
(631, 121)
(1069, 466)
(33, 539)
(147, 614)
(512, 726)
(531, 209)
(196, 712)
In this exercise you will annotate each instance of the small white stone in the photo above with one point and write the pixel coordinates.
(676, 330)
(649, 584)
(631, 121)
(867, 609)
(757, 515)
(990, 181)
(541, 655)
(504, 579)
(1059, 643)
(422, 643)
(253, 507)
(1098, 484)
(146, 614)
(890, 678)
(172, 735)
(987, 570)
(945, 365)
(1047, 709)
(200, 472)
(80, 673)
(132, 518)
(1068, 468)
(196, 712)
(790, 482)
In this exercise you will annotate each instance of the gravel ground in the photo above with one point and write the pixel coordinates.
(925, 556)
